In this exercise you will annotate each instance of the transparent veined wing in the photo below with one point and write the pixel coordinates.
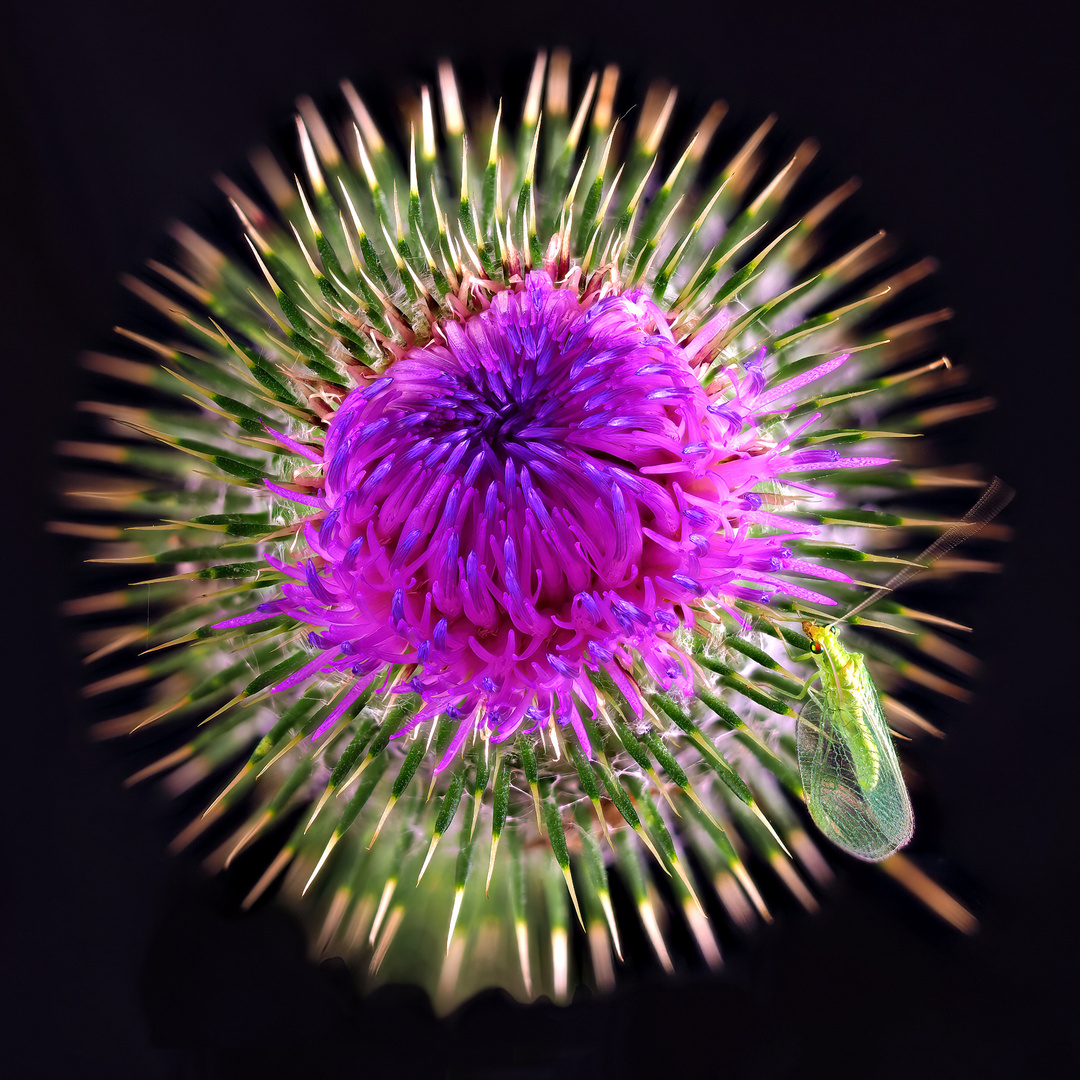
(869, 821)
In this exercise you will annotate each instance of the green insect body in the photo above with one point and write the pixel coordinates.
(850, 772)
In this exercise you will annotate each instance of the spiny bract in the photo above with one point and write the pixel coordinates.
(480, 562)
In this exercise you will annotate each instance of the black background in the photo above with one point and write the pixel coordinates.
(116, 116)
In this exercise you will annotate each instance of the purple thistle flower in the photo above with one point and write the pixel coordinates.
(537, 494)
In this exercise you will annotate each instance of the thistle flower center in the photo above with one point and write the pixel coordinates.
(494, 421)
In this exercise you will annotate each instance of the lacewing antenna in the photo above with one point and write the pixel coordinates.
(993, 500)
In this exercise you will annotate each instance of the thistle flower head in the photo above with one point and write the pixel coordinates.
(537, 495)
(522, 482)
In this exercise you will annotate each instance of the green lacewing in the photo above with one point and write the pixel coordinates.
(854, 789)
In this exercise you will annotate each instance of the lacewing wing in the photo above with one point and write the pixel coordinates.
(854, 788)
